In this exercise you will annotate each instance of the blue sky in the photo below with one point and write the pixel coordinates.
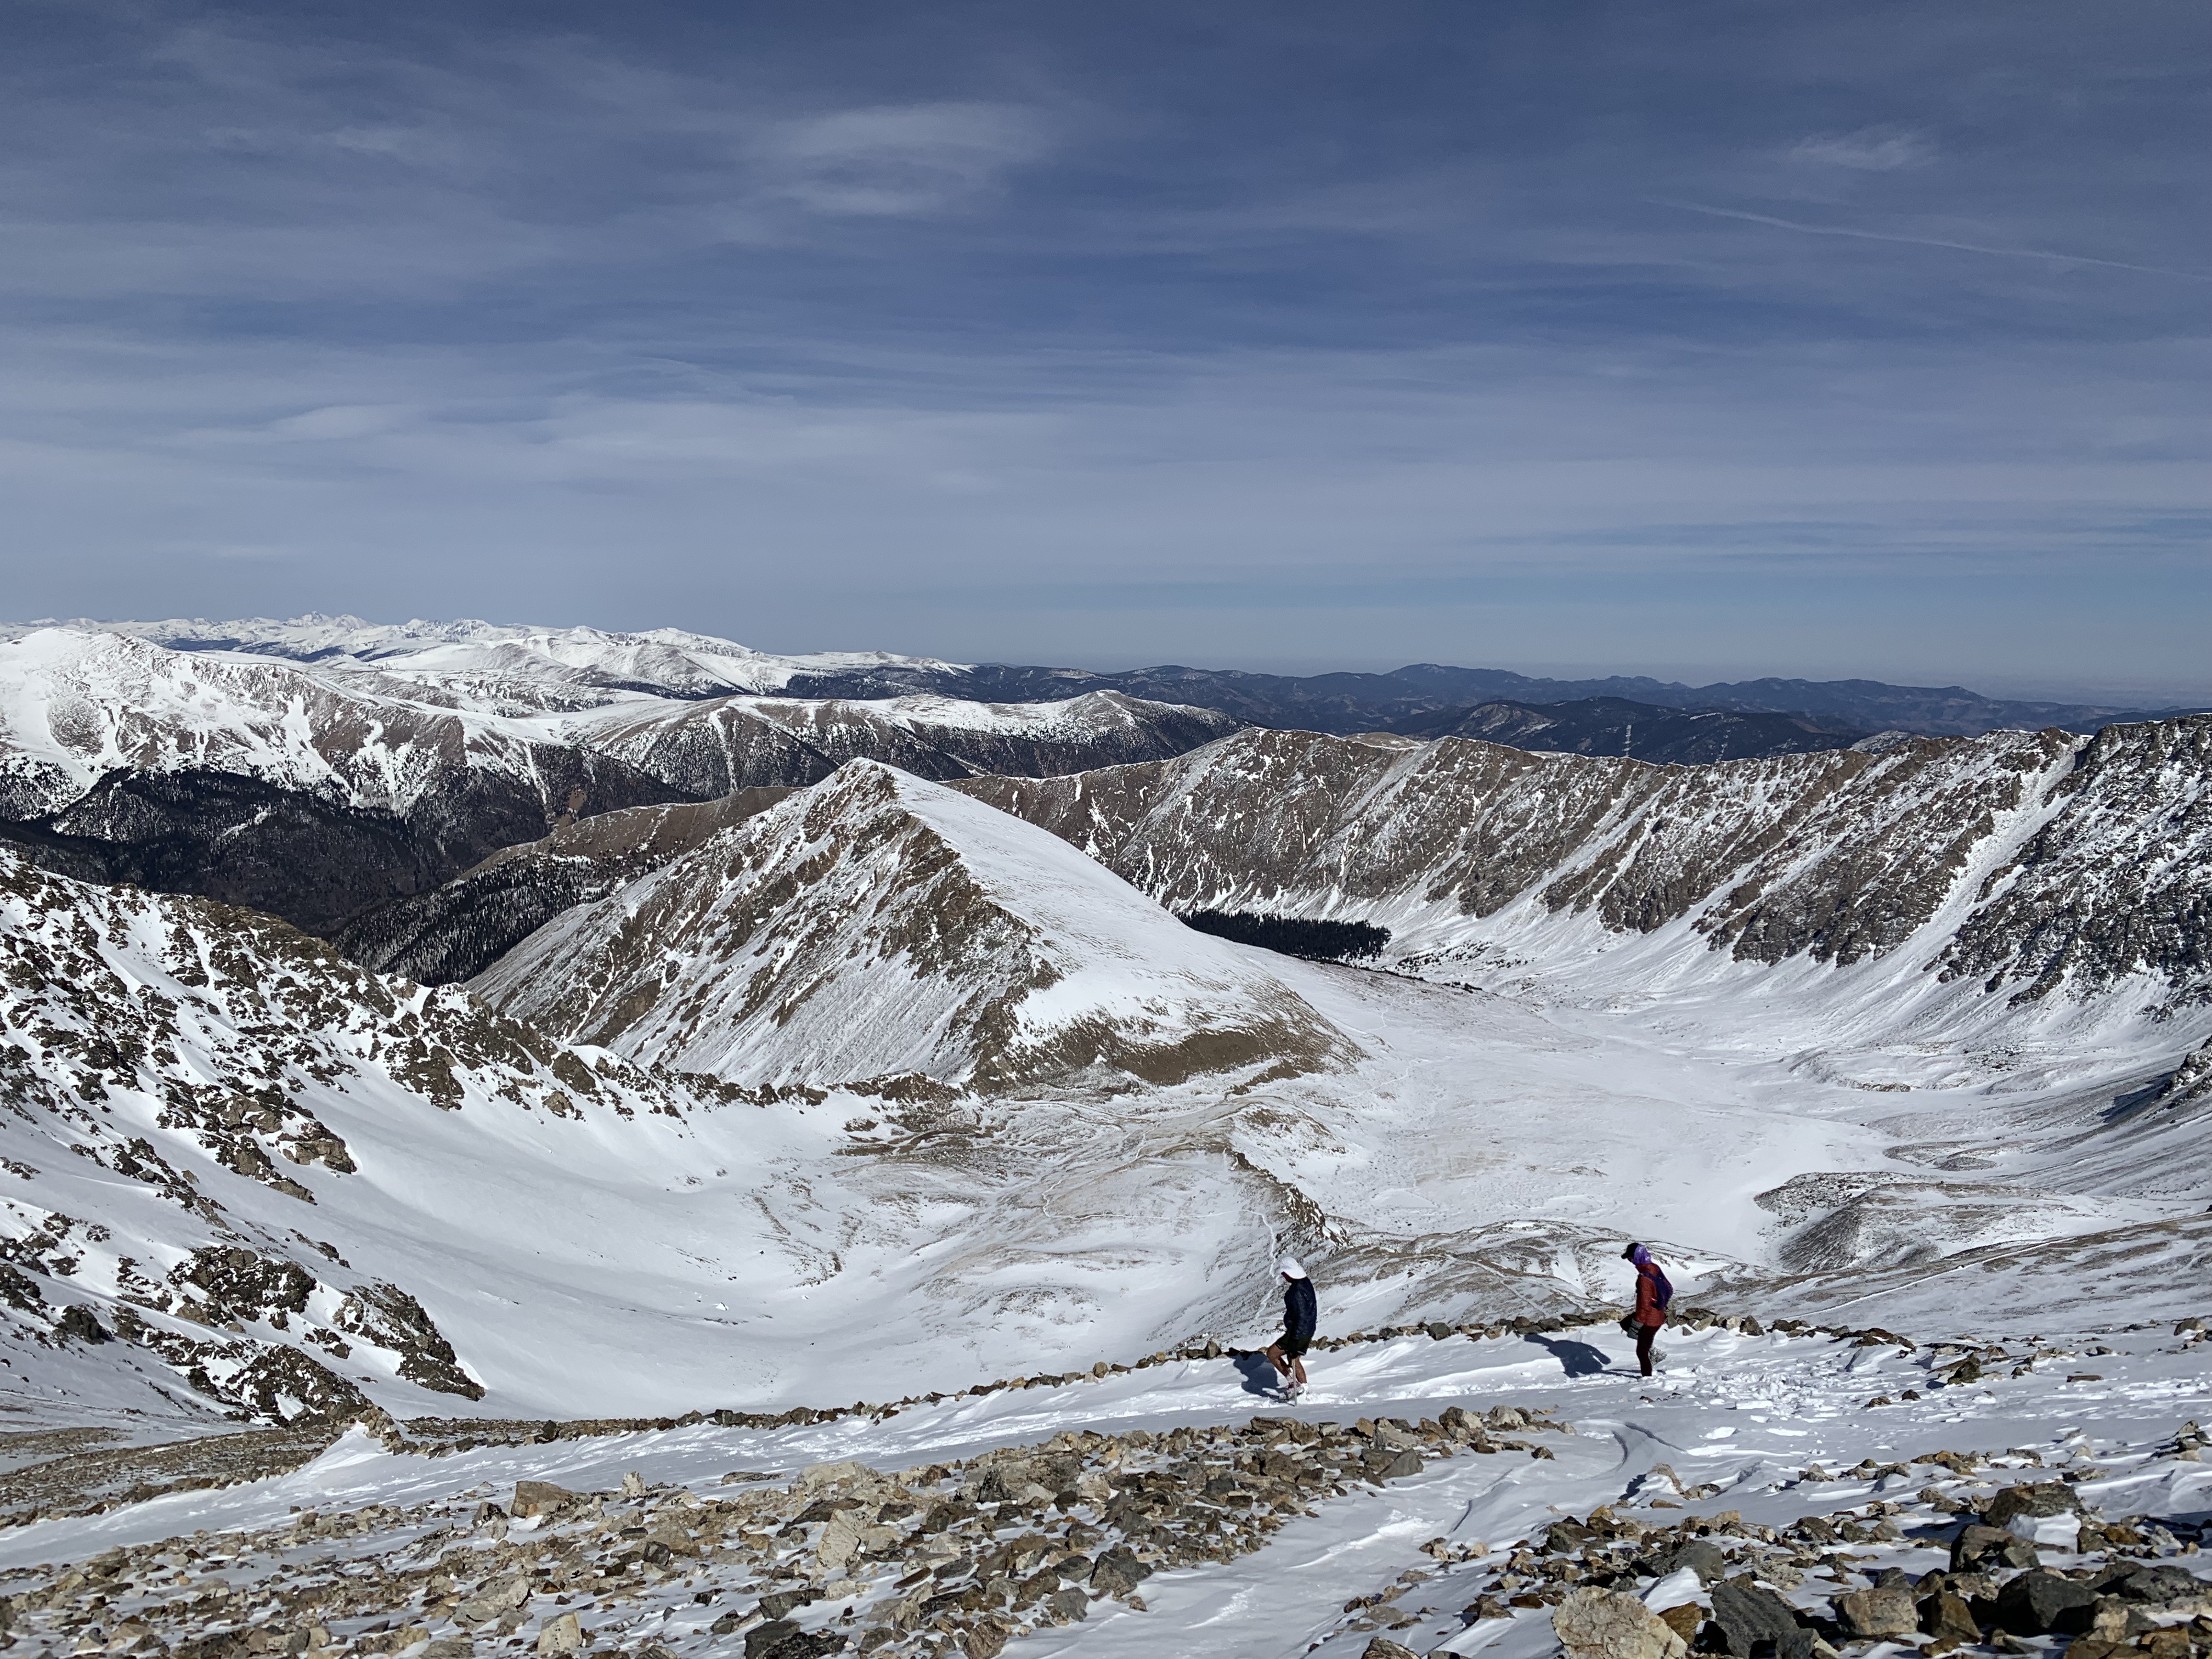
(1695, 339)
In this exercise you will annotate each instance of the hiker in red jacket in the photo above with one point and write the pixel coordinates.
(1653, 1293)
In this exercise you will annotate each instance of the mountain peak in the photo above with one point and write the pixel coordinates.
(880, 924)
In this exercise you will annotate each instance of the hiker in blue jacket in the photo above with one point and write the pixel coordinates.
(1301, 1317)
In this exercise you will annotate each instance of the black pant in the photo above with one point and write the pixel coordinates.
(1645, 1336)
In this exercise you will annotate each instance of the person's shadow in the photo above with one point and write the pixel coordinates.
(1259, 1377)
(1576, 1358)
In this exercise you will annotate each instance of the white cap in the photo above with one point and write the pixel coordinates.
(1291, 1268)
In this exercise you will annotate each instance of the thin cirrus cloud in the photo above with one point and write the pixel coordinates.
(1870, 149)
(898, 160)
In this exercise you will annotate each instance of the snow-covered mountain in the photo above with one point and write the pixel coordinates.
(2005, 884)
(319, 786)
(787, 1075)
(572, 667)
(879, 926)
(286, 1183)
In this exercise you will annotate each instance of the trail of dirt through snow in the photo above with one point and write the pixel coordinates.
(1737, 1420)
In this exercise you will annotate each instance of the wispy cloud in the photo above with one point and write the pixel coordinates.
(1870, 149)
(2047, 255)
(899, 159)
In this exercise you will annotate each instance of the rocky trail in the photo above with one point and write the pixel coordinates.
(1502, 1489)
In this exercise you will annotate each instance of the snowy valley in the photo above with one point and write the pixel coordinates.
(439, 1058)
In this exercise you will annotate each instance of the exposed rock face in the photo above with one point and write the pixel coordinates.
(878, 925)
(2118, 882)
(1838, 857)
(457, 931)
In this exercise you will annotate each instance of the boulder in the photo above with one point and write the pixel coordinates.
(2154, 1585)
(1979, 1546)
(1745, 1614)
(781, 1639)
(81, 1323)
(539, 1498)
(841, 1539)
(2037, 1499)
(2044, 1512)
(1948, 1618)
(1381, 1465)
(1069, 1603)
(1884, 1611)
(1383, 1648)
(1698, 1556)
(1118, 1573)
(562, 1635)
(1683, 1619)
(1603, 1624)
(494, 1599)
(2040, 1603)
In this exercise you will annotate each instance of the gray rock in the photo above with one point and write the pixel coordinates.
(2031, 1502)
(1706, 1560)
(1383, 1648)
(1886, 1611)
(2153, 1585)
(1978, 1546)
(1382, 1466)
(1946, 1616)
(1746, 1615)
(1069, 1602)
(81, 1323)
(781, 1639)
(2039, 1603)
(1118, 1573)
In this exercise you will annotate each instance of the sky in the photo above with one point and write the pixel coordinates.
(1707, 340)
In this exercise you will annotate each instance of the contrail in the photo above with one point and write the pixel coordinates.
(1930, 241)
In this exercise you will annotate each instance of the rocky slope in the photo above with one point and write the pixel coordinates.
(712, 748)
(188, 1087)
(2035, 860)
(880, 925)
(456, 930)
(319, 789)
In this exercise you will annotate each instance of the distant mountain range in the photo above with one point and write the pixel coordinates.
(1346, 703)
(1639, 730)
(595, 665)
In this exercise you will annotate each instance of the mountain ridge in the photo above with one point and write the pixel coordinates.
(1341, 702)
(317, 792)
